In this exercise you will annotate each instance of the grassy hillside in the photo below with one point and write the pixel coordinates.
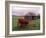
(34, 26)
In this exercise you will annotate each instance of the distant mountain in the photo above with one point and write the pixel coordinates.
(32, 14)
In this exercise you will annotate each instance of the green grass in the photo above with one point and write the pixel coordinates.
(35, 26)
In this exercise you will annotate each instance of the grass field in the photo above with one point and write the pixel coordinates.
(34, 26)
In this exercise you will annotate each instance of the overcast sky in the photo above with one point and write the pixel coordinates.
(21, 11)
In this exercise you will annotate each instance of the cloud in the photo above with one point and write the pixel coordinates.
(21, 11)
